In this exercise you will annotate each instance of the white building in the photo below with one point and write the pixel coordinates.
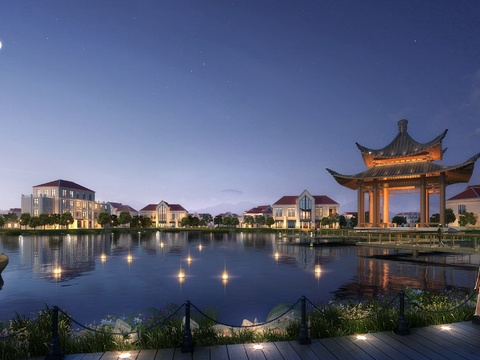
(466, 201)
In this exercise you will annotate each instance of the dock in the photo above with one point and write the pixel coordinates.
(450, 342)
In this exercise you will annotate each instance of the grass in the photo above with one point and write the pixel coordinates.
(26, 337)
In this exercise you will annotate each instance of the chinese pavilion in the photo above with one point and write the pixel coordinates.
(403, 165)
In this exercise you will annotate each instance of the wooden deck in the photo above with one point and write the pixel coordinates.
(450, 342)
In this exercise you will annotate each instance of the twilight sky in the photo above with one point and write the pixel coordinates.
(209, 102)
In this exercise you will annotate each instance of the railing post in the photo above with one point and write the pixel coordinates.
(55, 352)
(187, 345)
(304, 339)
(402, 328)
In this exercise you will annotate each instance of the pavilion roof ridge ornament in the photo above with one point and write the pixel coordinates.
(404, 146)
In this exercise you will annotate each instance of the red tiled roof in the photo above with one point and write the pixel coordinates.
(263, 209)
(471, 192)
(287, 200)
(125, 208)
(319, 199)
(176, 207)
(65, 184)
(150, 207)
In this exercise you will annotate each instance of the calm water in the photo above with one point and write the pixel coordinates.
(89, 288)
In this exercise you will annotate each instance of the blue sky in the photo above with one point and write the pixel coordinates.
(209, 102)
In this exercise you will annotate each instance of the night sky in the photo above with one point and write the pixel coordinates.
(209, 102)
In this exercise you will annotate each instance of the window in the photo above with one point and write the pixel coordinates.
(71, 193)
(291, 212)
(54, 193)
(462, 209)
(162, 214)
(71, 204)
(35, 202)
(64, 193)
(45, 192)
(278, 212)
(318, 213)
(79, 204)
(83, 196)
(305, 206)
(84, 203)
(64, 203)
(39, 192)
(35, 212)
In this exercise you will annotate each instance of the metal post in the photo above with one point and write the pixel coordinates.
(304, 339)
(402, 328)
(187, 338)
(55, 352)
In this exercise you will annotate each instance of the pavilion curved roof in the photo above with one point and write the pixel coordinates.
(403, 146)
(408, 171)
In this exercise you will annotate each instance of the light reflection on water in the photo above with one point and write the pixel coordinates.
(125, 275)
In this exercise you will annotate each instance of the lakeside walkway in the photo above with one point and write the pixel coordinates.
(451, 342)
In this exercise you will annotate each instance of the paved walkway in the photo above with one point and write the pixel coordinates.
(449, 342)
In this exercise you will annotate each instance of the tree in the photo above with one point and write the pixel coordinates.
(24, 219)
(234, 221)
(11, 217)
(44, 220)
(342, 222)
(227, 221)
(2, 221)
(113, 220)
(207, 218)
(399, 220)
(353, 221)
(333, 219)
(325, 221)
(449, 217)
(66, 219)
(467, 218)
(103, 218)
(218, 220)
(54, 219)
(136, 221)
(146, 221)
(248, 220)
(124, 218)
(269, 221)
(260, 220)
(34, 222)
(184, 221)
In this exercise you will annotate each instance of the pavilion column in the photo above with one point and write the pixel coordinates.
(371, 211)
(360, 204)
(385, 204)
(442, 198)
(423, 201)
(376, 205)
(427, 206)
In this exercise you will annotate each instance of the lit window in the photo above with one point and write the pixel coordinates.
(35, 202)
(53, 193)
(278, 212)
(71, 193)
(64, 193)
(462, 209)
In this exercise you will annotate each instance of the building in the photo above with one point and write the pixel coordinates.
(403, 165)
(466, 201)
(61, 196)
(164, 214)
(304, 211)
(116, 208)
(410, 216)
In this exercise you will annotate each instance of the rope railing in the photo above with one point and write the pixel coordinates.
(399, 300)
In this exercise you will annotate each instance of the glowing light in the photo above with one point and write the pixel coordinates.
(103, 257)
(57, 272)
(129, 258)
(311, 244)
(257, 347)
(225, 275)
(162, 244)
(276, 255)
(200, 247)
(445, 327)
(318, 269)
(124, 355)
(181, 274)
(361, 337)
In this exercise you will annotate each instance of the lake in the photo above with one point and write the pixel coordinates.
(92, 276)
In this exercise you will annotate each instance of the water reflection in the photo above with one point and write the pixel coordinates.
(96, 275)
